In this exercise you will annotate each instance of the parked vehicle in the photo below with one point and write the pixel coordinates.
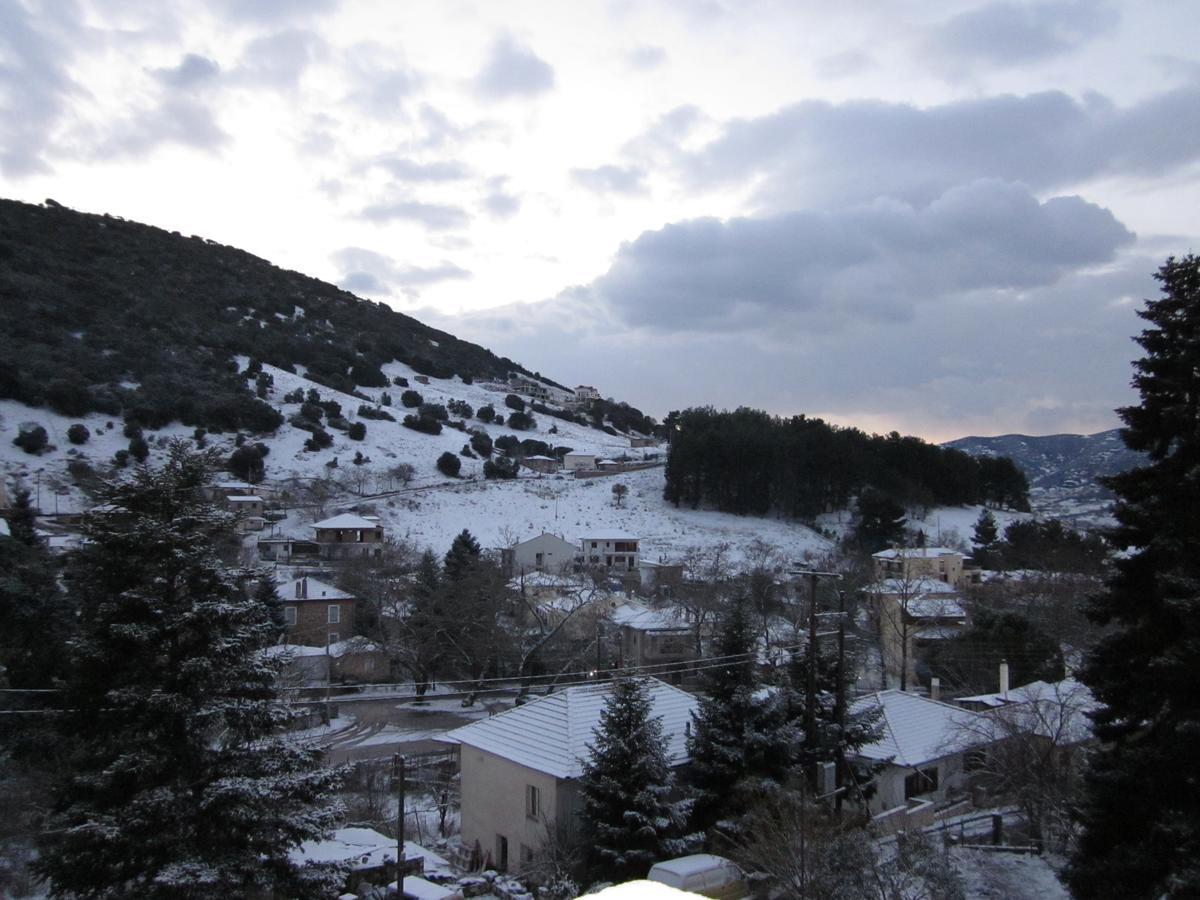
(702, 873)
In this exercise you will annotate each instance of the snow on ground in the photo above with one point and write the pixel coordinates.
(990, 875)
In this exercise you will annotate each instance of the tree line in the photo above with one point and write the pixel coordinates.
(751, 463)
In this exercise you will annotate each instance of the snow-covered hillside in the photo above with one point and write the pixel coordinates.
(431, 509)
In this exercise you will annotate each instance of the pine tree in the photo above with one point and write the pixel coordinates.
(178, 785)
(984, 537)
(463, 554)
(21, 524)
(35, 618)
(1141, 815)
(627, 820)
(742, 744)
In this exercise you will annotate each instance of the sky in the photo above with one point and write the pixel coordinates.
(938, 218)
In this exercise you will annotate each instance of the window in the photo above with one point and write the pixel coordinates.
(922, 781)
(334, 637)
(532, 801)
(974, 760)
(335, 614)
(501, 853)
(289, 615)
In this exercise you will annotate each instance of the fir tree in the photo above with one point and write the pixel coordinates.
(35, 618)
(178, 786)
(21, 524)
(462, 555)
(1141, 815)
(627, 820)
(742, 744)
(984, 537)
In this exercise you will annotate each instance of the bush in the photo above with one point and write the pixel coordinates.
(132, 429)
(32, 439)
(78, 433)
(339, 423)
(198, 436)
(370, 412)
(400, 382)
(385, 399)
(312, 411)
(139, 449)
(367, 375)
(121, 458)
(246, 462)
(522, 421)
(507, 443)
(411, 399)
(320, 440)
(81, 471)
(357, 431)
(433, 411)
(486, 414)
(457, 425)
(481, 443)
(460, 408)
(500, 467)
(530, 447)
(512, 401)
(296, 396)
(332, 408)
(449, 464)
(467, 452)
(422, 424)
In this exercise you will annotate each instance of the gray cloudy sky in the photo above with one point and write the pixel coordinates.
(939, 218)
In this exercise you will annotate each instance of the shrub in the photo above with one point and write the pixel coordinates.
(32, 439)
(457, 425)
(320, 440)
(367, 375)
(359, 459)
(312, 396)
(312, 411)
(433, 411)
(370, 412)
(466, 451)
(512, 401)
(449, 464)
(138, 448)
(422, 424)
(246, 462)
(132, 429)
(385, 399)
(296, 396)
(522, 421)
(411, 399)
(80, 470)
(339, 423)
(357, 431)
(507, 443)
(121, 458)
(460, 408)
(332, 408)
(500, 467)
(78, 433)
(481, 443)
(486, 413)
(400, 382)
(530, 447)
(467, 379)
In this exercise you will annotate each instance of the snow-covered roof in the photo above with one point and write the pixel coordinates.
(346, 520)
(4, 532)
(233, 485)
(313, 590)
(552, 734)
(356, 644)
(293, 651)
(244, 498)
(937, 633)
(609, 534)
(1055, 710)
(544, 580)
(422, 889)
(915, 552)
(912, 586)
(644, 618)
(917, 730)
(543, 458)
(926, 607)
(363, 848)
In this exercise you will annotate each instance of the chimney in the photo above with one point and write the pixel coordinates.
(302, 588)
(935, 689)
(1004, 678)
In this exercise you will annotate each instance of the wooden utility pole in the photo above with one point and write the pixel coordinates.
(839, 702)
(810, 693)
(398, 776)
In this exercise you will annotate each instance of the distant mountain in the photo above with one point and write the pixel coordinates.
(1062, 468)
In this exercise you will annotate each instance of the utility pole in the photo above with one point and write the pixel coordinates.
(839, 702)
(810, 692)
(328, 678)
(398, 775)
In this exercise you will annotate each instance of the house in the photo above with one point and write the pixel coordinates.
(285, 549)
(358, 658)
(616, 551)
(547, 465)
(1055, 711)
(585, 393)
(223, 489)
(648, 637)
(925, 751)
(520, 769)
(544, 553)
(348, 536)
(642, 442)
(301, 665)
(943, 564)
(245, 504)
(316, 614)
(910, 616)
(660, 579)
(574, 462)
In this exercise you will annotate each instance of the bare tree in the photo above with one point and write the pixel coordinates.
(897, 602)
(619, 491)
(708, 583)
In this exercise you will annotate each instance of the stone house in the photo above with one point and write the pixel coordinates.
(520, 769)
(547, 465)
(573, 462)
(648, 637)
(924, 564)
(348, 536)
(316, 613)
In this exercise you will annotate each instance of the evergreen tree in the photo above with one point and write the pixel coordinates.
(880, 521)
(21, 524)
(742, 744)
(985, 531)
(1141, 815)
(178, 785)
(462, 555)
(35, 618)
(627, 820)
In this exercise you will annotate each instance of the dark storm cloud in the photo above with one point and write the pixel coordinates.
(368, 272)
(1010, 34)
(611, 179)
(825, 153)
(877, 261)
(193, 70)
(434, 216)
(35, 87)
(513, 71)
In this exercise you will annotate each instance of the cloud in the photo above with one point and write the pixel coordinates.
(193, 70)
(498, 201)
(876, 262)
(177, 120)
(35, 87)
(645, 58)
(815, 152)
(269, 12)
(611, 179)
(844, 64)
(280, 60)
(434, 216)
(368, 272)
(405, 169)
(1012, 34)
(513, 71)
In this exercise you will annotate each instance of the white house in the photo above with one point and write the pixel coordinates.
(520, 769)
(923, 746)
(544, 553)
(573, 462)
(616, 551)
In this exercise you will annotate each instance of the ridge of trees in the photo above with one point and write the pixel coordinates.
(107, 315)
(749, 462)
